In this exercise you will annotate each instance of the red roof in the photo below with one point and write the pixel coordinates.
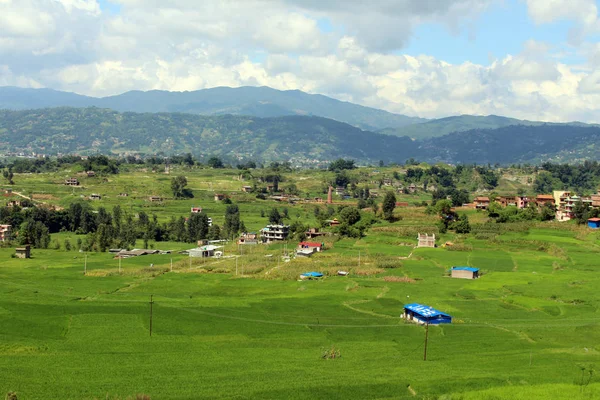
(309, 244)
(482, 199)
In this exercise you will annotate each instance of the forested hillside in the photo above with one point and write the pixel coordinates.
(94, 130)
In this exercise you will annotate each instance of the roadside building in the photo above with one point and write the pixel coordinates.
(247, 189)
(313, 233)
(465, 272)
(313, 246)
(90, 174)
(204, 251)
(95, 196)
(219, 196)
(196, 210)
(425, 240)
(594, 223)
(155, 199)
(422, 314)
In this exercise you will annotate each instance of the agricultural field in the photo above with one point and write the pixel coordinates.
(244, 325)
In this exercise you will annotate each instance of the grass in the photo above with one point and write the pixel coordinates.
(527, 329)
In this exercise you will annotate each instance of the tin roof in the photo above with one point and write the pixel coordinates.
(313, 274)
(424, 310)
(593, 219)
(465, 269)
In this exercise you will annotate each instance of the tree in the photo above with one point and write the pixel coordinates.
(215, 162)
(543, 183)
(214, 232)
(388, 205)
(341, 164)
(462, 224)
(580, 212)
(8, 175)
(548, 212)
(274, 216)
(178, 186)
(231, 227)
(349, 216)
(197, 227)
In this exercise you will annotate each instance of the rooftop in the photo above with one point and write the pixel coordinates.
(424, 310)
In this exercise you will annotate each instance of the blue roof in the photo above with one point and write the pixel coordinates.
(425, 311)
(313, 274)
(466, 269)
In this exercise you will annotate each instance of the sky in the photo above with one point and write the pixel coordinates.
(528, 59)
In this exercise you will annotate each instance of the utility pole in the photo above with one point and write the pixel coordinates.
(120, 264)
(426, 337)
(359, 259)
(236, 265)
(171, 265)
(190, 261)
(85, 264)
(151, 302)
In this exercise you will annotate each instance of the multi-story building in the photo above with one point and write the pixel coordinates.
(275, 232)
(5, 232)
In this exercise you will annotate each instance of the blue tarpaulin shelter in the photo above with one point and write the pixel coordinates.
(311, 275)
(425, 315)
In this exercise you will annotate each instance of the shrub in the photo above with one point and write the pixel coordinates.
(331, 354)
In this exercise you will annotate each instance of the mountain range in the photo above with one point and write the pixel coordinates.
(266, 124)
(261, 102)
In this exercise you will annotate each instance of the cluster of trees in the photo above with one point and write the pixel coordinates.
(513, 214)
(449, 219)
(582, 178)
(105, 229)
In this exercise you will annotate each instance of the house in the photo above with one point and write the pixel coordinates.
(593, 223)
(155, 199)
(204, 251)
(522, 201)
(313, 246)
(122, 195)
(275, 232)
(542, 199)
(340, 190)
(314, 232)
(270, 188)
(72, 182)
(5, 232)
(506, 201)
(465, 272)
(90, 174)
(196, 210)
(95, 196)
(248, 238)
(482, 203)
(402, 204)
(318, 199)
(387, 182)
(426, 240)
(14, 203)
(595, 199)
(422, 314)
(412, 188)
(219, 196)
(23, 252)
(247, 189)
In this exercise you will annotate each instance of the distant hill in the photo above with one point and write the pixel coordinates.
(95, 130)
(251, 101)
(515, 144)
(303, 139)
(462, 123)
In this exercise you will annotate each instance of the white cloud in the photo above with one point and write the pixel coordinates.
(188, 45)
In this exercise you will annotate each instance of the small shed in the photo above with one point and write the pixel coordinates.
(95, 196)
(23, 252)
(594, 223)
(155, 199)
(465, 272)
(247, 189)
(196, 210)
(422, 314)
(219, 196)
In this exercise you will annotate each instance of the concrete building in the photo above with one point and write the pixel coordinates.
(5, 232)
(23, 252)
(72, 182)
(275, 232)
(482, 203)
(465, 272)
(426, 240)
